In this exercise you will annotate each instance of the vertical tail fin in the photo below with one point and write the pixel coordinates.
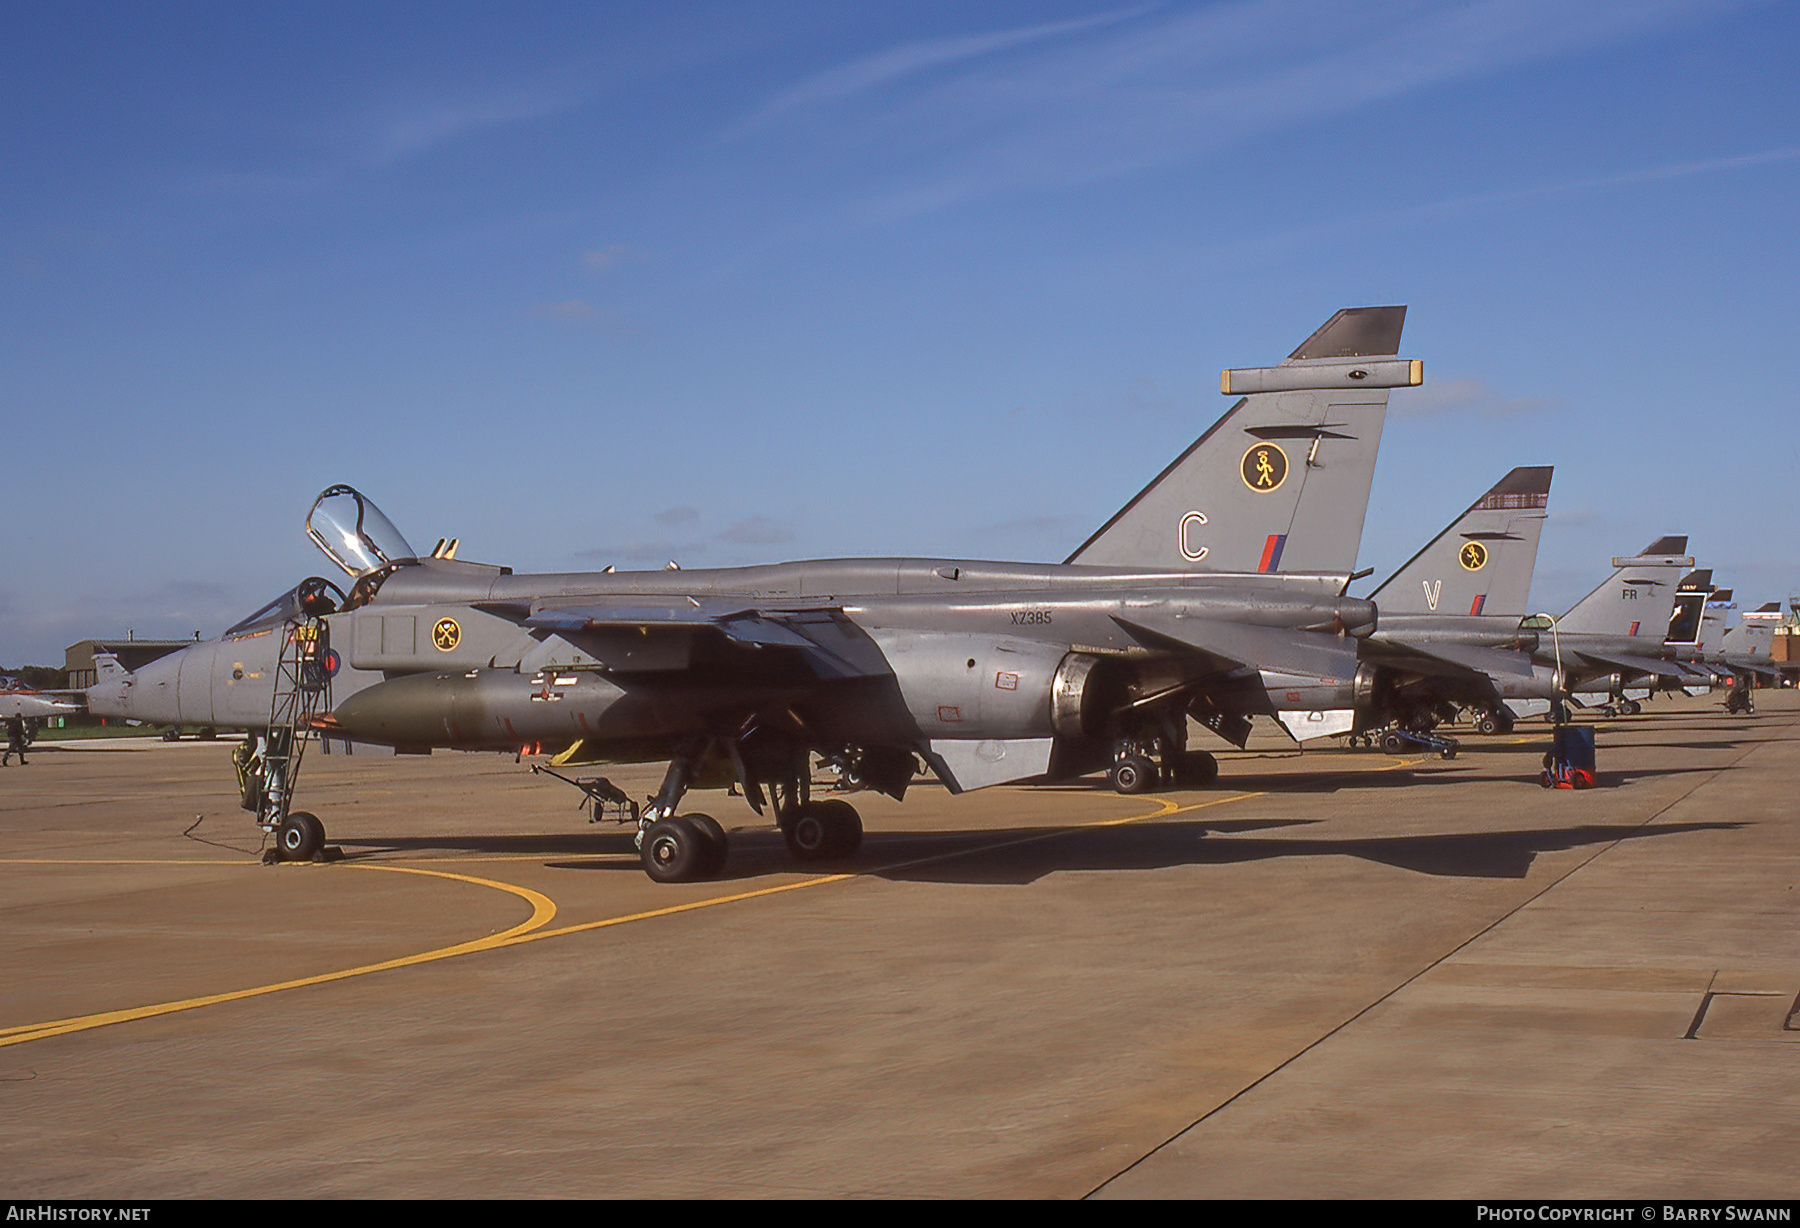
(1754, 636)
(1638, 598)
(1281, 482)
(1481, 563)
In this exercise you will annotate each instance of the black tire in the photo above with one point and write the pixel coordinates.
(1133, 774)
(808, 838)
(1392, 742)
(719, 846)
(301, 837)
(1487, 723)
(1631, 707)
(845, 825)
(820, 831)
(1195, 769)
(675, 850)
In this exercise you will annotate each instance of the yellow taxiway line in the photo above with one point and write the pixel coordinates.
(543, 911)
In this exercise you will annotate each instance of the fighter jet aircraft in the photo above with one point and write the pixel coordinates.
(987, 672)
(1610, 638)
(1743, 654)
(1449, 636)
(19, 699)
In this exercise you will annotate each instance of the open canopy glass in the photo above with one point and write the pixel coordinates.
(353, 533)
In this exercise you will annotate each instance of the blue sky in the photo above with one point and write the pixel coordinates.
(734, 283)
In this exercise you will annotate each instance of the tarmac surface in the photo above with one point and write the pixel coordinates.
(1331, 974)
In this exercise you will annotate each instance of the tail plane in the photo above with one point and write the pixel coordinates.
(1638, 598)
(1481, 563)
(1281, 482)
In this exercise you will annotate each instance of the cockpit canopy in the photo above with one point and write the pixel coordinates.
(354, 534)
(311, 598)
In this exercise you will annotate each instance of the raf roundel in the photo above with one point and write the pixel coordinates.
(1265, 467)
(446, 634)
(1473, 556)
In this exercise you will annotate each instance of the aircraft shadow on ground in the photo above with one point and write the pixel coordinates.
(1018, 856)
(1155, 845)
(606, 841)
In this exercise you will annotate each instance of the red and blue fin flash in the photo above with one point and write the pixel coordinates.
(1271, 556)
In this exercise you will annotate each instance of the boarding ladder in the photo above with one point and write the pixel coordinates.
(302, 688)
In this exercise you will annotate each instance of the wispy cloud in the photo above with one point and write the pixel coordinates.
(909, 59)
(677, 517)
(575, 309)
(1154, 88)
(392, 132)
(568, 309)
(757, 531)
(1480, 202)
(611, 256)
(407, 130)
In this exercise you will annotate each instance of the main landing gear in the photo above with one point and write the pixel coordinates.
(1135, 769)
(1491, 721)
(1149, 749)
(822, 831)
(683, 848)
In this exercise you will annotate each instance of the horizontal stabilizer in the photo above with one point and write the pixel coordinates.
(1302, 653)
(1323, 376)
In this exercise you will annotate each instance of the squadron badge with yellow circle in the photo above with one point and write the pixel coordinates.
(446, 634)
(1265, 467)
(1473, 556)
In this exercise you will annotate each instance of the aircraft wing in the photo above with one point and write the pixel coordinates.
(1494, 662)
(1233, 645)
(821, 635)
(1634, 664)
(1756, 667)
